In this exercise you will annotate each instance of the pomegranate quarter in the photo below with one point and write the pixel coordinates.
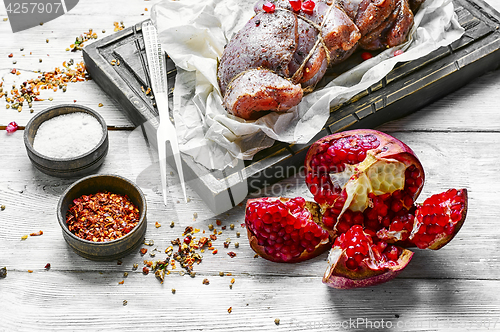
(365, 184)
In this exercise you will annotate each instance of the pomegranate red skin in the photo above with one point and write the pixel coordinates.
(389, 148)
(320, 248)
(340, 277)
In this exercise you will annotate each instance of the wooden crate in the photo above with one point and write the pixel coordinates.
(407, 88)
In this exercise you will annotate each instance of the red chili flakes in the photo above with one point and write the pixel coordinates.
(157, 224)
(206, 282)
(37, 233)
(102, 217)
(30, 271)
(230, 309)
(11, 55)
(121, 282)
(215, 251)
(232, 254)
(143, 251)
(213, 237)
(47, 266)
(145, 270)
(218, 222)
(13, 71)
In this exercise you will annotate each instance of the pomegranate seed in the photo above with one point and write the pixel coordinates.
(296, 5)
(398, 52)
(12, 127)
(351, 264)
(366, 55)
(392, 253)
(308, 7)
(269, 7)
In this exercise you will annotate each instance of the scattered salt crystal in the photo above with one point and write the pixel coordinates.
(68, 135)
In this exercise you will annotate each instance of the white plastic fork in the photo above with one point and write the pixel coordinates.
(166, 129)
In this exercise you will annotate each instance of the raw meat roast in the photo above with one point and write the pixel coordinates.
(286, 48)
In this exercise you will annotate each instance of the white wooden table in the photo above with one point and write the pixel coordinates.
(454, 289)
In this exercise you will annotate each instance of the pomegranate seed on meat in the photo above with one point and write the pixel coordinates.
(296, 5)
(308, 7)
(269, 7)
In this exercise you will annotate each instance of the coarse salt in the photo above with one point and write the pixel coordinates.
(68, 135)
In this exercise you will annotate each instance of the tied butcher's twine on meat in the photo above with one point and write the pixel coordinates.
(319, 40)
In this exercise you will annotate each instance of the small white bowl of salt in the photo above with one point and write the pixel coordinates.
(66, 140)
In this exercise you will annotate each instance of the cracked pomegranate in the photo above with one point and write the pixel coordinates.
(285, 230)
(365, 183)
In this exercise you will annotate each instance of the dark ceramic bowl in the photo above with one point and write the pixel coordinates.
(65, 167)
(104, 251)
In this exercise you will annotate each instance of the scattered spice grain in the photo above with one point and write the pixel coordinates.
(277, 321)
(3, 272)
(37, 233)
(47, 266)
(125, 302)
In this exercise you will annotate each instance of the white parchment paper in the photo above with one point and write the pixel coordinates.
(194, 33)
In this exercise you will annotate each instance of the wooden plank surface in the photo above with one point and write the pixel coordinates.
(454, 289)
